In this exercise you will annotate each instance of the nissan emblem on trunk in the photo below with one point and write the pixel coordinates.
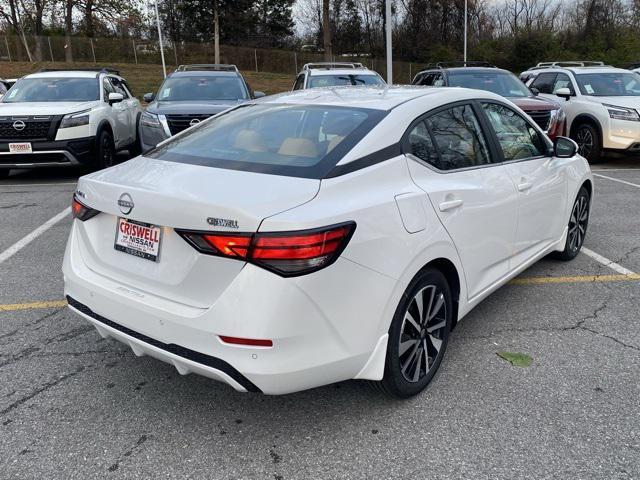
(126, 203)
(19, 125)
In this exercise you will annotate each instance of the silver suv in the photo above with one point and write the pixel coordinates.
(601, 104)
(333, 74)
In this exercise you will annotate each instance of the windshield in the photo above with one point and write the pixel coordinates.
(337, 80)
(293, 140)
(502, 83)
(53, 90)
(609, 84)
(198, 88)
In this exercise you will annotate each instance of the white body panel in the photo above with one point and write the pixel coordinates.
(332, 324)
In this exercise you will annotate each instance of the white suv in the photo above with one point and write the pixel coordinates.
(67, 117)
(333, 74)
(601, 104)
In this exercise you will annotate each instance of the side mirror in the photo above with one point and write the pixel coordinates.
(149, 97)
(563, 93)
(564, 147)
(535, 91)
(258, 94)
(115, 98)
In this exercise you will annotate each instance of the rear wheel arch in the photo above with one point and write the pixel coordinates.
(450, 272)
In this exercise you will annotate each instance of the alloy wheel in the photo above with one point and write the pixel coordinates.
(422, 333)
(578, 222)
(584, 139)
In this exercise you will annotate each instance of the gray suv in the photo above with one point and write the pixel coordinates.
(189, 95)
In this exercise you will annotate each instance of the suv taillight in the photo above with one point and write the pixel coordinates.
(80, 211)
(288, 254)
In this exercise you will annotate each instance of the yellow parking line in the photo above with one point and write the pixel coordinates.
(574, 279)
(12, 307)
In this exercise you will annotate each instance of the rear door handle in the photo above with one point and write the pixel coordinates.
(524, 186)
(450, 205)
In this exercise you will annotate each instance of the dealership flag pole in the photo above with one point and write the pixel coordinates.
(164, 66)
(388, 38)
(465, 32)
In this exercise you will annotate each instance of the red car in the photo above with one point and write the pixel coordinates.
(483, 76)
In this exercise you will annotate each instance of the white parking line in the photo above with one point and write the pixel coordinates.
(606, 262)
(36, 184)
(617, 180)
(23, 242)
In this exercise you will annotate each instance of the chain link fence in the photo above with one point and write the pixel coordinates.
(104, 51)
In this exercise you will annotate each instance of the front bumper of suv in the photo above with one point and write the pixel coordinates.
(77, 151)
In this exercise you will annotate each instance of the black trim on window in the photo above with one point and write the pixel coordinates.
(386, 153)
(201, 358)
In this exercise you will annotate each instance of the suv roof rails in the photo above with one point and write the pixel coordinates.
(460, 63)
(569, 63)
(216, 67)
(83, 69)
(633, 65)
(332, 65)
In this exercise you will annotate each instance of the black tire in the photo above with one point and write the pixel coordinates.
(105, 150)
(578, 223)
(135, 148)
(4, 173)
(589, 142)
(400, 378)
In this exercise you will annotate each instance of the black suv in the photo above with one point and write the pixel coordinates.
(484, 76)
(187, 96)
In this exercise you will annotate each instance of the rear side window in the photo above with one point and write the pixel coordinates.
(294, 140)
(458, 138)
(421, 145)
(544, 82)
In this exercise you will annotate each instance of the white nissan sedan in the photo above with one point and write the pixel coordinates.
(322, 235)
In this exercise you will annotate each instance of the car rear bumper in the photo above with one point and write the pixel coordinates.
(49, 153)
(323, 327)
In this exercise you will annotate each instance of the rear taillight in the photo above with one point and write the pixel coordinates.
(80, 211)
(286, 253)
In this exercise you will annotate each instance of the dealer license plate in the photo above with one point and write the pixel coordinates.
(20, 147)
(138, 239)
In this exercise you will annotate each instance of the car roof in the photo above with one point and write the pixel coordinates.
(374, 97)
(579, 70)
(68, 74)
(466, 69)
(204, 73)
(340, 71)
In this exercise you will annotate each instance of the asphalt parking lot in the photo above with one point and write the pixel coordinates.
(73, 405)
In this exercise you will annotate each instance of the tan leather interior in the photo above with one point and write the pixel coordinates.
(298, 147)
(334, 142)
(250, 140)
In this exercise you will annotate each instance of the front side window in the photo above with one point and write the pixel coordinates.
(426, 80)
(338, 80)
(202, 88)
(563, 81)
(108, 88)
(459, 138)
(294, 140)
(118, 88)
(54, 90)
(517, 138)
(503, 83)
(609, 84)
(544, 82)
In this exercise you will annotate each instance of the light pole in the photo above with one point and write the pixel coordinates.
(388, 41)
(465, 32)
(164, 66)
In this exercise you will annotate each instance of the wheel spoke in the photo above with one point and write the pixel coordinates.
(416, 373)
(437, 326)
(427, 366)
(436, 342)
(406, 345)
(420, 304)
(427, 312)
(410, 359)
(438, 306)
(409, 318)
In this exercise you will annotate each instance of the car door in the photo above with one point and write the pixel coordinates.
(539, 178)
(473, 197)
(118, 115)
(128, 107)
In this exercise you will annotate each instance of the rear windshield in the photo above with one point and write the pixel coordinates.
(53, 90)
(293, 140)
(502, 83)
(339, 80)
(609, 84)
(197, 88)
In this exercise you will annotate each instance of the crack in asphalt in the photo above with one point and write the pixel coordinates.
(39, 390)
(134, 449)
(46, 316)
